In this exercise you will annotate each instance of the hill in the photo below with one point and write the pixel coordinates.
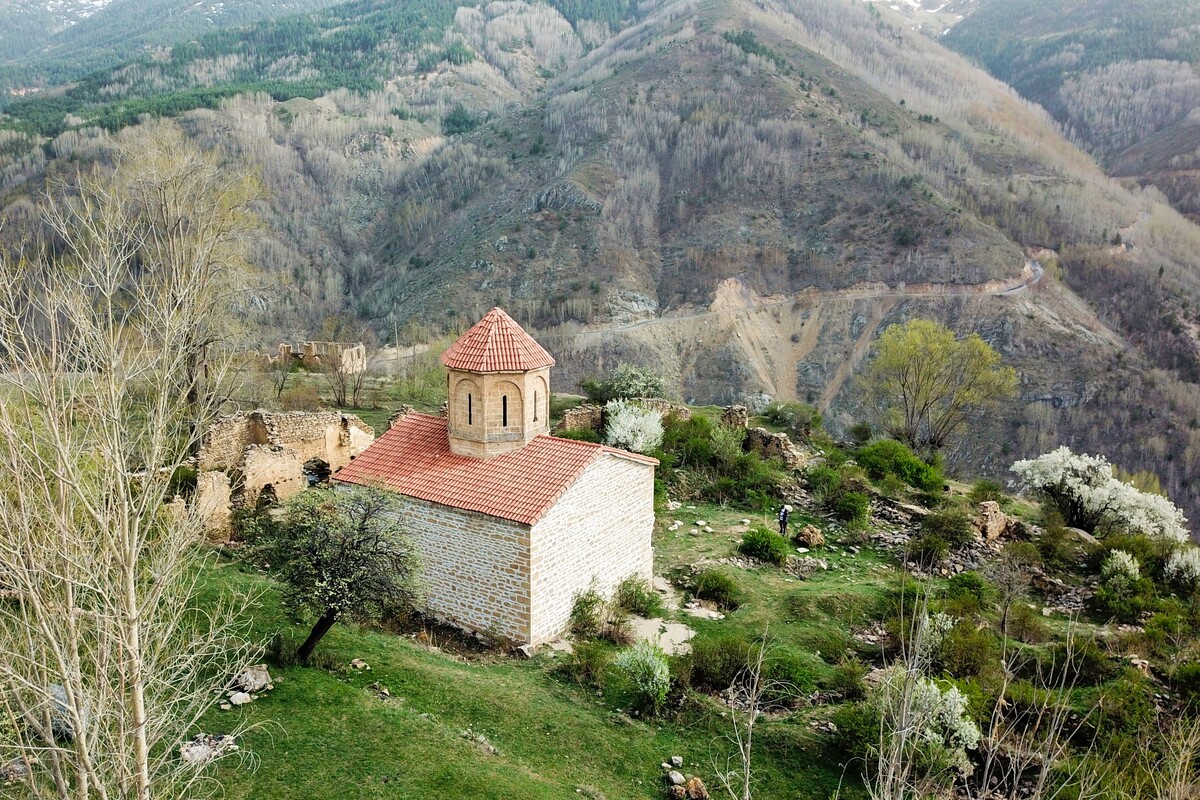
(1122, 78)
(743, 195)
(45, 44)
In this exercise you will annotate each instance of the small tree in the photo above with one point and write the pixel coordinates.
(930, 384)
(624, 382)
(341, 554)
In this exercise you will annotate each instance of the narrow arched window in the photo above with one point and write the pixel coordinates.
(504, 411)
(470, 410)
(535, 406)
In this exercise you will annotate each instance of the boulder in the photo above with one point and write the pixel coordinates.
(240, 699)
(993, 524)
(205, 747)
(676, 761)
(677, 793)
(810, 536)
(254, 679)
(675, 778)
(695, 788)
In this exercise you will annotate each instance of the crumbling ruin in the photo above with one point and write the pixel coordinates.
(255, 455)
(351, 358)
(591, 417)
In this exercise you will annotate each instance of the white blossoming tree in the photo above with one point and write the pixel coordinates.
(1087, 494)
(1183, 569)
(632, 427)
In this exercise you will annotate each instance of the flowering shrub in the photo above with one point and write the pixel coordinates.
(647, 678)
(1120, 566)
(1084, 490)
(632, 427)
(1183, 568)
(934, 722)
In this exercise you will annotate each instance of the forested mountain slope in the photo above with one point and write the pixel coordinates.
(43, 43)
(1122, 77)
(743, 194)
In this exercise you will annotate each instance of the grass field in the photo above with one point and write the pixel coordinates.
(325, 733)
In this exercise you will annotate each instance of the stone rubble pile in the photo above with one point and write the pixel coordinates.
(245, 688)
(680, 786)
(205, 747)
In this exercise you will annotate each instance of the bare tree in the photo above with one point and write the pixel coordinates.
(107, 660)
(745, 696)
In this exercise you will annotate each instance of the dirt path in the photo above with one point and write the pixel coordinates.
(722, 306)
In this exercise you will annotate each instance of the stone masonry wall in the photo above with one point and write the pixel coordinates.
(596, 535)
(474, 568)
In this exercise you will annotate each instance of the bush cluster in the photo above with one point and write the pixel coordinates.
(637, 597)
(765, 545)
(717, 587)
(717, 469)
(798, 419)
(841, 491)
(641, 676)
(625, 382)
(889, 458)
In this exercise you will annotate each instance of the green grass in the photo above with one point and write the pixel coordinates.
(324, 734)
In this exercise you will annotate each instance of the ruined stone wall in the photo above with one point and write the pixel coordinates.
(776, 445)
(271, 448)
(474, 568)
(582, 417)
(281, 468)
(591, 417)
(596, 535)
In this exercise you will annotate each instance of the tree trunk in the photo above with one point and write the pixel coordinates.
(318, 632)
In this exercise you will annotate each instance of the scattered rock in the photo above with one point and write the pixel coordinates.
(696, 790)
(240, 699)
(478, 738)
(701, 523)
(675, 778)
(527, 650)
(677, 793)
(358, 663)
(810, 536)
(15, 770)
(205, 747)
(676, 761)
(379, 690)
(695, 608)
(824, 726)
(254, 679)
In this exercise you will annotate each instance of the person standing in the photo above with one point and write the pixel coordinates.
(784, 513)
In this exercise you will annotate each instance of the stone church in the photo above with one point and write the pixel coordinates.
(511, 523)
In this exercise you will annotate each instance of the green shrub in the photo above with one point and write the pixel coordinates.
(588, 662)
(1186, 681)
(928, 550)
(641, 678)
(719, 588)
(716, 659)
(967, 651)
(1057, 546)
(790, 675)
(861, 433)
(889, 457)
(969, 585)
(635, 596)
(847, 679)
(625, 382)
(858, 726)
(580, 435)
(587, 615)
(707, 462)
(952, 525)
(765, 545)
(852, 508)
(984, 491)
(799, 419)
(1026, 625)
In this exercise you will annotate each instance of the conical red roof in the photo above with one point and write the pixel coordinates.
(496, 344)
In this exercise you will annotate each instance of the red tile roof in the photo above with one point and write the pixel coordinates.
(414, 459)
(496, 344)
